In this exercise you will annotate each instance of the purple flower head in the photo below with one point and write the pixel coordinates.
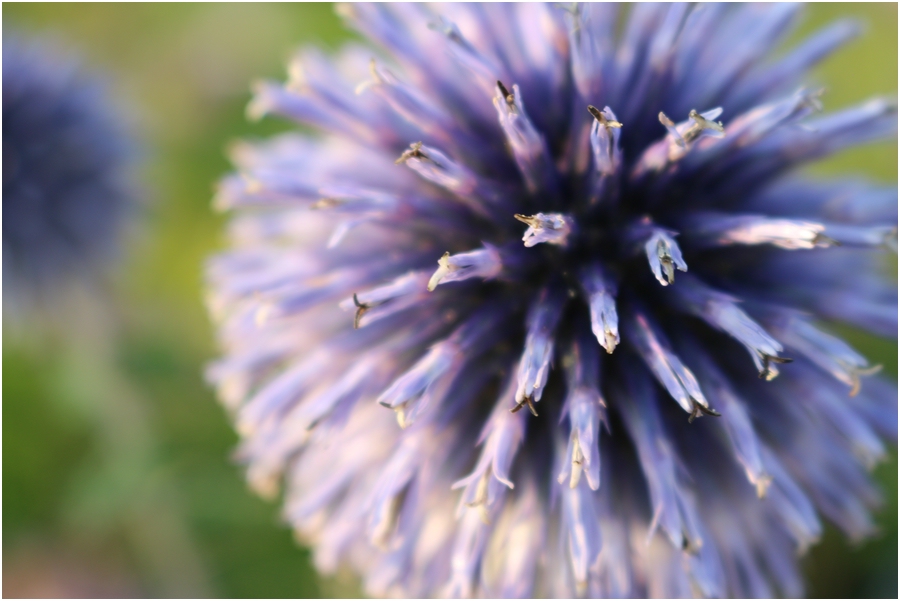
(494, 340)
(66, 188)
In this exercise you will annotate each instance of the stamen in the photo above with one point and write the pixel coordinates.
(482, 67)
(762, 484)
(769, 372)
(577, 460)
(689, 545)
(411, 393)
(605, 132)
(414, 151)
(742, 435)
(857, 372)
(701, 124)
(666, 260)
(528, 145)
(681, 139)
(484, 263)
(479, 194)
(674, 508)
(374, 81)
(862, 236)
(718, 229)
(444, 268)
(599, 116)
(361, 309)
(700, 409)
(525, 401)
(724, 313)
(670, 126)
(752, 126)
(534, 365)
(386, 521)
(408, 102)
(377, 303)
(664, 256)
(360, 205)
(678, 380)
(828, 352)
(873, 120)
(553, 228)
(611, 338)
(582, 531)
(501, 438)
(481, 496)
(601, 293)
(585, 410)
(510, 99)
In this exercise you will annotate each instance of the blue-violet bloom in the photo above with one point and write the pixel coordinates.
(67, 159)
(471, 324)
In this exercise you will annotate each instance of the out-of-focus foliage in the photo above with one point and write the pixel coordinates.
(116, 471)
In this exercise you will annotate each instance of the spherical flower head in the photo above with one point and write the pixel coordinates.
(66, 186)
(542, 307)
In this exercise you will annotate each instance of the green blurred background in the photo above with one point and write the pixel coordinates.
(116, 472)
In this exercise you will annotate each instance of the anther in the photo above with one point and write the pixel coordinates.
(373, 70)
(823, 241)
(673, 131)
(325, 203)
(577, 461)
(763, 483)
(530, 220)
(612, 339)
(701, 123)
(599, 116)
(663, 254)
(377, 79)
(526, 401)
(444, 267)
(665, 258)
(510, 98)
(388, 522)
(553, 228)
(413, 152)
(682, 139)
(768, 372)
(481, 497)
(856, 373)
(689, 546)
(361, 309)
(483, 263)
(700, 410)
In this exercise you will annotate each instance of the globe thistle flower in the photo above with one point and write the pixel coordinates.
(618, 379)
(66, 189)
